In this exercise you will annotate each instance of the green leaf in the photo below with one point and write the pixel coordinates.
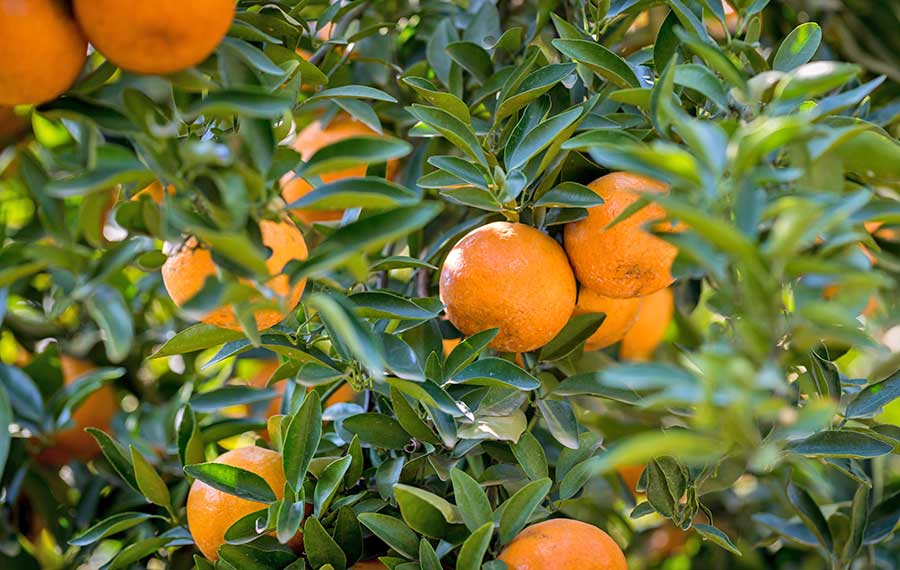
(393, 532)
(468, 350)
(874, 397)
(351, 92)
(541, 136)
(840, 443)
(260, 555)
(426, 512)
(232, 480)
(428, 558)
(519, 507)
(471, 555)
(600, 60)
(798, 47)
(473, 504)
(365, 235)
(233, 395)
(350, 152)
(196, 337)
(190, 441)
(249, 103)
(447, 101)
(377, 430)
(561, 421)
(389, 305)
(717, 537)
(530, 454)
(350, 335)
(810, 514)
(493, 371)
(137, 551)
(460, 134)
(114, 165)
(329, 482)
(409, 419)
(110, 526)
(368, 192)
(577, 330)
(813, 79)
(301, 440)
(472, 58)
(109, 310)
(533, 86)
(883, 519)
(148, 480)
(116, 456)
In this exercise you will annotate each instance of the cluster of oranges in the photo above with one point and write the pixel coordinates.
(556, 543)
(43, 43)
(517, 279)
(186, 271)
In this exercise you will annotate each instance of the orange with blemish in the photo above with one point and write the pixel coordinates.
(624, 260)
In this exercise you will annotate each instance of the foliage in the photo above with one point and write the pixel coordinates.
(759, 421)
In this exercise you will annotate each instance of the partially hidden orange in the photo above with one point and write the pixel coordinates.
(185, 272)
(307, 142)
(97, 410)
(509, 276)
(211, 512)
(653, 318)
(42, 51)
(158, 37)
(620, 315)
(623, 260)
(563, 544)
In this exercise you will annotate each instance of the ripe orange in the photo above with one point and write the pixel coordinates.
(631, 474)
(97, 410)
(563, 544)
(42, 51)
(307, 142)
(155, 192)
(211, 512)
(653, 319)
(512, 277)
(12, 127)
(624, 260)
(620, 315)
(163, 36)
(185, 271)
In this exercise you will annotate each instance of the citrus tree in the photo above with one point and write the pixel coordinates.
(530, 285)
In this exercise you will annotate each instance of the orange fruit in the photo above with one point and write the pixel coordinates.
(155, 192)
(646, 333)
(97, 410)
(449, 344)
(185, 271)
(512, 277)
(42, 51)
(163, 36)
(563, 544)
(624, 260)
(12, 127)
(631, 475)
(211, 512)
(620, 315)
(307, 142)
